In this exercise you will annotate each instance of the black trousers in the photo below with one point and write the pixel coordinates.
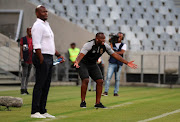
(43, 80)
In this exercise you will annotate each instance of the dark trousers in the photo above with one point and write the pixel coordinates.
(43, 80)
(26, 69)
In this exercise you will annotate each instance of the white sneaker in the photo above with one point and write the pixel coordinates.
(48, 115)
(37, 115)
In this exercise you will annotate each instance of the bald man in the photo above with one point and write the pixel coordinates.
(43, 44)
(87, 66)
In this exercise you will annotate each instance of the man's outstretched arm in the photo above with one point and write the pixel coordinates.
(119, 58)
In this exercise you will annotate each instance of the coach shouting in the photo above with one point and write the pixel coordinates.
(86, 64)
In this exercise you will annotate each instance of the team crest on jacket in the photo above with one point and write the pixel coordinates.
(101, 51)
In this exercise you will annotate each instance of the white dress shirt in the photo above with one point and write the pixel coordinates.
(123, 47)
(43, 37)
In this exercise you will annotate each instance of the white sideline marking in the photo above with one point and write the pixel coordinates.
(124, 104)
(58, 117)
(160, 116)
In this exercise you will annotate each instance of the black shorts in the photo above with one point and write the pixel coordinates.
(92, 70)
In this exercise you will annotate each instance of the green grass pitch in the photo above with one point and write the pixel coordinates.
(133, 104)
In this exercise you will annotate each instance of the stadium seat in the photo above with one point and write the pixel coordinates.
(92, 15)
(103, 15)
(98, 22)
(77, 2)
(114, 15)
(136, 16)
(136, 29)
(71, 11)
(108, 22)
(141, 36)
(147, 29)
(100, 3)
(139, 9)
(163, 22)
(102, 28)
(156, 4)
(120, 22)
(111, 3)
(59, 7)
(81, 15)
(170, 17)
(125, 28)
(147, 45)
(141, 22)
(133, 3)
(131, 22)
(145, 3)
(122, 3)
(93, 8)
(129, 35)
(66, 2)
(135, 44)
(89, 2)
(170, 30)
(159, 29)
(152, 37)
(114, 29)
(163, 10)
(104, 9)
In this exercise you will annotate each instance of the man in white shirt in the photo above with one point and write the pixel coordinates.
(115, 66)
(43, 44)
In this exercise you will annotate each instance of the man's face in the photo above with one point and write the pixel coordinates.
(42, 13)
(29, 32)
(73, 46)
(101, 39)
(120, 37)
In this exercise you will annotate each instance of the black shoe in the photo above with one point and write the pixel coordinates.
(26, 92)
(115, 94)
(83, 104)
(23, 92)
(89, 90)
(100, 105)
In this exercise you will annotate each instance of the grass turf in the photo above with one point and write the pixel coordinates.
(133, 104)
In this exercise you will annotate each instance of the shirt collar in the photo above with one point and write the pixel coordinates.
(39, 20)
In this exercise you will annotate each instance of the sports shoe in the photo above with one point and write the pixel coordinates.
(48, 115)
(100, 105)
(105, 94)
(37, 115)
(26, 92)
(83, 104)
(115, 94)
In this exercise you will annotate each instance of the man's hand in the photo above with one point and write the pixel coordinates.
(41, 59)
(76, 64)
(63, 60)
(132, 65)
(22, 62)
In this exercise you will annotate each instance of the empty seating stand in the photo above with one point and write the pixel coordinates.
(151, 18)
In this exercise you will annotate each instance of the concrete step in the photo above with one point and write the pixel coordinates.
(10, 82)
(7, 77)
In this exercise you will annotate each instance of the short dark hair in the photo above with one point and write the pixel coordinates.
(99, 33)
(73, 43)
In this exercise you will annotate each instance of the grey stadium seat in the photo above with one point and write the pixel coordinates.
(141, 22)
(170, 30)
(159, 29)
(100, 2)
(111, 3)
(114, 15)
(108, 22)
